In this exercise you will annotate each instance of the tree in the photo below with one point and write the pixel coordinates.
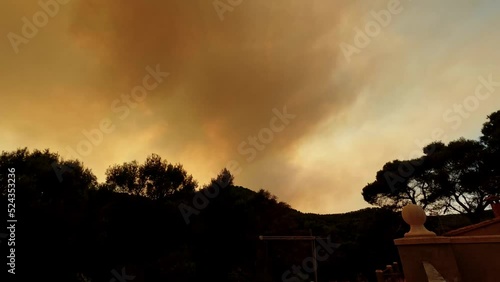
(457, 171)
(156, 178)
(124, 178)
(491, 132)
(44, 177)
(449, 178)
(491, 140)
(224, 179)
(455, 177)
(50, 194)
(398, 184)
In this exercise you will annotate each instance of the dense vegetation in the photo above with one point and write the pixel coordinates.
(151, 221)
(456, 177)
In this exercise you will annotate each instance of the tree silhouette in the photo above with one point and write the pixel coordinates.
(124, 178)
(155, 178)
(97, 227)
(44, 177)
(454, 177)
(456, 171)
(223, 179)
(491, 139)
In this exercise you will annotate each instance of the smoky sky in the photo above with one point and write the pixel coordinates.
(229, 74)
(226, 76)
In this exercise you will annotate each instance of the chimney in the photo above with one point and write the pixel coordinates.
(495, 204)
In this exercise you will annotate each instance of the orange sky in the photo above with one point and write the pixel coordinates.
(363, 82)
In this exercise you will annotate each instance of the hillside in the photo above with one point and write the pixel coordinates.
(106, 230)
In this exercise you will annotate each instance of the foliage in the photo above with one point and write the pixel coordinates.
(455, 177)
(76, 229)
(156, 178)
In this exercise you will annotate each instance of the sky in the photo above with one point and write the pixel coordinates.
(307, 99)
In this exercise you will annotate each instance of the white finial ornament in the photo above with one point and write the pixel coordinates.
(415, 216)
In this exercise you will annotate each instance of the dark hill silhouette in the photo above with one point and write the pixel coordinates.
(76, 229)
(151, 221)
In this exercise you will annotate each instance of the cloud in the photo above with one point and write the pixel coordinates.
(226, 77)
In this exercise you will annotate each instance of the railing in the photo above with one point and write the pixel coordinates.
(391, 273)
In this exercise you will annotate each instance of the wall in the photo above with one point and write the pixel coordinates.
(458, 259)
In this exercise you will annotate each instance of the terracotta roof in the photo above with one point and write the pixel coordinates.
(472, 227)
